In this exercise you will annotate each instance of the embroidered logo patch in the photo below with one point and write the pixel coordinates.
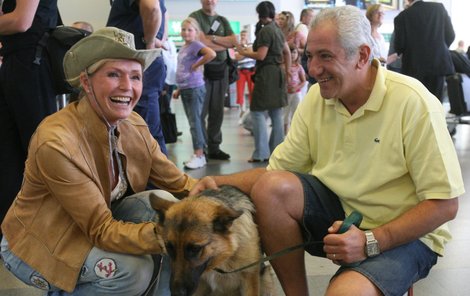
(105, 268)
(39, 282)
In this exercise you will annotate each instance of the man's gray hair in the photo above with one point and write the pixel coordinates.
(353, 28)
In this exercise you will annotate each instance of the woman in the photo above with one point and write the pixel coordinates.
(293, 37)
(269, 94)
(375, 15)
(81, 222)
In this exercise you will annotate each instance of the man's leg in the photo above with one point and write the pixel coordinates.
(214, 108)
(279, 201)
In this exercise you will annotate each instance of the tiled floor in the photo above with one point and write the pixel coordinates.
(451, 276)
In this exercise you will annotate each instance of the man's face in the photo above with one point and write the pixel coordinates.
(209, 5)
(329, 64)
(307, 19)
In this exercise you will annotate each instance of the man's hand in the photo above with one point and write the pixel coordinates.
(348, 247)
(203, 184)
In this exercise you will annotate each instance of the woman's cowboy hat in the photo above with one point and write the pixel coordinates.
(106, 43)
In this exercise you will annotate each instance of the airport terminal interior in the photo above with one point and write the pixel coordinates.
(449, 277)
(451, 274)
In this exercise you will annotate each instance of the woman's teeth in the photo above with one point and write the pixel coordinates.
(122, 100)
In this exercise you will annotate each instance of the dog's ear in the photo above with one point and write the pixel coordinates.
(224, 219)
(160, 205)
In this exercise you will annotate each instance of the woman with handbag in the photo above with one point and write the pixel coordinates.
(270, 50)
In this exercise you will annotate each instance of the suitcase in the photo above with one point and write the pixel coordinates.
(458, 113)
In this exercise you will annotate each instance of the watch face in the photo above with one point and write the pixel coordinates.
(373, 249)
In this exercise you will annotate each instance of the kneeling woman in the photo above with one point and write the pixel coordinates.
(82, 223)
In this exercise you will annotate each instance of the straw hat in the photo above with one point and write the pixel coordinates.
(106, 43)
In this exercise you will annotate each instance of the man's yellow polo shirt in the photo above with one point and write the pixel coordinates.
(392, 153)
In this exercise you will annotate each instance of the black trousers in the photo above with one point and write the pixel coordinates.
(26, 97)
(435, 84)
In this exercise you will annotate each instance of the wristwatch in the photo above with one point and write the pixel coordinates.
(214, 37)
(372, 245)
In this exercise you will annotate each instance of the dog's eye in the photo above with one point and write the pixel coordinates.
(170, 248)
(193, 250)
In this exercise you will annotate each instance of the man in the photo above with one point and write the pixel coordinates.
(145, 19)
(306, 17)
(218, 35)
(27, 95)
(363, 139)
(423, 34)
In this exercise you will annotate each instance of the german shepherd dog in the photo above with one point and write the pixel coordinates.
(213, 230)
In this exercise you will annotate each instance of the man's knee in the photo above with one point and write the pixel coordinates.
(279, 189)
(278, 183)
(352, 283)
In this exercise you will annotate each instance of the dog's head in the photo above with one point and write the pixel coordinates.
(197, 237)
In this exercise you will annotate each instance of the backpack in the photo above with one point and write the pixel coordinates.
(56, 43)
(59, 41)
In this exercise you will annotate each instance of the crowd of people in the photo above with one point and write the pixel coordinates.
(75, 183)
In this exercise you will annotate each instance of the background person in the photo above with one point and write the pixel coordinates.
(190, 81)
(88, 166)
(146, 19)
(425, 25)
(83, 25)
(273, 61)
(365, 139)
(375, 15)
(246, 69)
(26, 88)
(218, 35)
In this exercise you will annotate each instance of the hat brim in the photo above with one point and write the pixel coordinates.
(92, 49)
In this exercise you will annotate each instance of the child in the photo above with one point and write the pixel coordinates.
(294, 86)
(190, 82)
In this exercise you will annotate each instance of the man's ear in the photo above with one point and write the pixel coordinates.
(160, 205)
(365, 52)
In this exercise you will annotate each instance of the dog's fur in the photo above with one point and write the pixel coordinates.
(213, 230)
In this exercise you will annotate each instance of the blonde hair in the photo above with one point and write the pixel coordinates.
(371, 10)
(192, 22)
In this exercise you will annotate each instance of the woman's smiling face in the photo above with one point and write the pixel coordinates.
(117, 86)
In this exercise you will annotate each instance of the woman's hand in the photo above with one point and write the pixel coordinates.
(203, 184)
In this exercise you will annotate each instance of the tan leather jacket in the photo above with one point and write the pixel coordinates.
(63, 208)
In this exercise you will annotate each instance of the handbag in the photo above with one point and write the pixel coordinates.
(215, 70)
(233, 75)
(169, 129)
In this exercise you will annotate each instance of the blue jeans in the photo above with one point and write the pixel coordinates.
(193, 103)
(393, 271)
(105, 273)
(263, 146)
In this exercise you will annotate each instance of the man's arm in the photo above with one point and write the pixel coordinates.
(413, 224)
(243, 180)
(151, 20)
(20, 19)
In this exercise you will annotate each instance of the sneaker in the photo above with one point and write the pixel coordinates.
(219, 154)
(195, 162)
